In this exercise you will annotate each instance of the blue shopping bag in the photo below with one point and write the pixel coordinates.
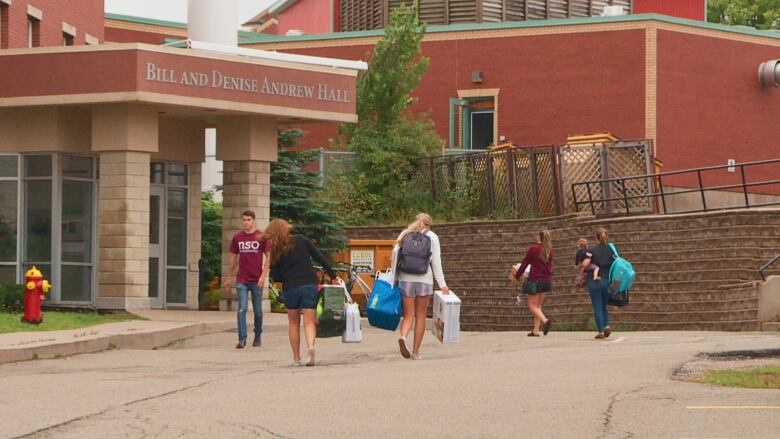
(384, 306)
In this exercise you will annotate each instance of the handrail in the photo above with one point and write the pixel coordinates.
(765, 266)
(657, 179)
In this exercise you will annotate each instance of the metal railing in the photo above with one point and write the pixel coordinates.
(659, 194)
(767, 265)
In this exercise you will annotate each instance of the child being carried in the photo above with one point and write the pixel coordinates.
(582, 272)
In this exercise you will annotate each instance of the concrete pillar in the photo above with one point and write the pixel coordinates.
(247, 145)
(193, 234)
(124, 135)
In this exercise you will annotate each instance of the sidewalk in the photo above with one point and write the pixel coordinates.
(161, 328)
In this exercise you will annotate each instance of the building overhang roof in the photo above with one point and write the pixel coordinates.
(528, 24)
(193, 80)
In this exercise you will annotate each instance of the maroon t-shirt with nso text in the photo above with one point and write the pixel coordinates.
(249, 249)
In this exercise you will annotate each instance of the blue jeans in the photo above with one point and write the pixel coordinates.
(598, 298)
(257, 307)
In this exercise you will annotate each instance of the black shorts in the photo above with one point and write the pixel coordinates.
(532, 287)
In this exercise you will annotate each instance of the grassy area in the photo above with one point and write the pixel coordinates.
(59, 320)
(767, 377)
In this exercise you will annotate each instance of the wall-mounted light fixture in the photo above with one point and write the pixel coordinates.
(476, 77)
(769, 73)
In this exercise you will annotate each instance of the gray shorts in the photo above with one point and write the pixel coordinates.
(415, 289)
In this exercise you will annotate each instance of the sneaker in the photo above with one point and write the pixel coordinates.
(297, 363)
(310, 361)
(546, 326)
(607, 331)
(416, 357)
(257, 342)
(600, 336)
(404, 349)
(241, 344)
(533, 334)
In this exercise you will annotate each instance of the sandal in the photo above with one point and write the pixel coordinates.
(533, 334)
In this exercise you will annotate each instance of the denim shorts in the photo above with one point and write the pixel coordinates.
(531, 287)
(302, 296)
(415, 289)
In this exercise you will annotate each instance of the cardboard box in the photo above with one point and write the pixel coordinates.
(446, 317)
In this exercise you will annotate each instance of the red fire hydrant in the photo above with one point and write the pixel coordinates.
(35, 289)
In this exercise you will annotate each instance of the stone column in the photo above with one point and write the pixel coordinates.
(124, 135)
(193, 234)
(247, 146)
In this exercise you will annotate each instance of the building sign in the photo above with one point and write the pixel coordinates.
(261, 85)
(362, 260)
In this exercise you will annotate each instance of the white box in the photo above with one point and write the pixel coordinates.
(446, 317)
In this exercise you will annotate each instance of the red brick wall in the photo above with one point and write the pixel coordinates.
(116, 35)
(711, 107)
(310, 16)
(693, 9)
(85, 15)
(550, 86)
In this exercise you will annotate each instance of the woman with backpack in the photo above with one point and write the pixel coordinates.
(602, 256)
(417, 258)
(291, 257)
(540, 257)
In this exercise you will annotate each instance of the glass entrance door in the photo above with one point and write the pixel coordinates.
(156, 265)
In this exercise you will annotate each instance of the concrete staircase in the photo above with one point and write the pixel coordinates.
(694, 271)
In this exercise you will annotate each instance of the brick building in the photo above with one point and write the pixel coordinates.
(101, 145)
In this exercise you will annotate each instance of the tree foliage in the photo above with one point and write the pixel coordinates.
(211, 234)
(387, 140)
(295, 196)
(760, 14)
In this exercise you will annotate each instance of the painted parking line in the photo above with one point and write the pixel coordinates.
(734, 407)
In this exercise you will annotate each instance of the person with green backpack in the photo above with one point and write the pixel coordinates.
(291, 264)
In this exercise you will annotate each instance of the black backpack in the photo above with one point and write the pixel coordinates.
(414, 257)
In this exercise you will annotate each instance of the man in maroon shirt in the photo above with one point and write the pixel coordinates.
(248, 248)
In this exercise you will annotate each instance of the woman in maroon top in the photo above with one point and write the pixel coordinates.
(540, 257)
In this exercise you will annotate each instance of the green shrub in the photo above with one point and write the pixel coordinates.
(11, 298)
(212, 299)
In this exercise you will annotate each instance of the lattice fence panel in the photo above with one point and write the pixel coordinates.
(502, 203)
(545, 183)
(481, 183)
(578, 164)
(627, 160)
(523, 185)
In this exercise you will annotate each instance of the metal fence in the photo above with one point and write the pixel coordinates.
(534, 182)
(631, 194)
(334, 163)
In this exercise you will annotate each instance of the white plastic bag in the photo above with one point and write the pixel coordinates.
(353, 333)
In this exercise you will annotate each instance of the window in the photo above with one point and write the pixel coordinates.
(77, 219)
(58, 217)
(68, 34)
(3, 26)
(176, 236)
(9, 214)
(37, 214)
(33, 32)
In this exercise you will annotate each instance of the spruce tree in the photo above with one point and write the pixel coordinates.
(296, 196)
